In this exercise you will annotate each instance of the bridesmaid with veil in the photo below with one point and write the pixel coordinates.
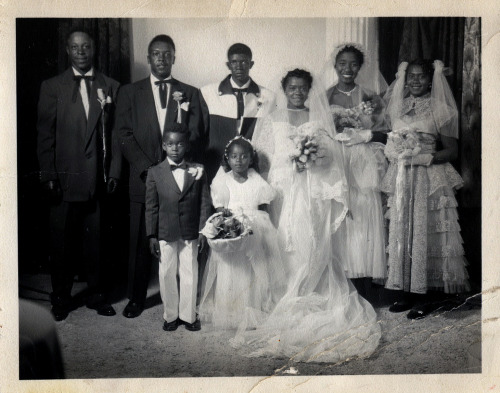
(321, 318)
(358, 114)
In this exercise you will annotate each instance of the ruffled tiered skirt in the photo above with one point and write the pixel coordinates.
(425, 246)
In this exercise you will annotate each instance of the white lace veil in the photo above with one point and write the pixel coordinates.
(367, 78)
(444, 108)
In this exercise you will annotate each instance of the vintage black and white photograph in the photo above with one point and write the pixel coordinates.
(249, 197)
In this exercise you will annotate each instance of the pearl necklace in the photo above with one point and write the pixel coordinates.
(347, 93)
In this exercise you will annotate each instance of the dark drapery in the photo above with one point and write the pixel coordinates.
(112, 46)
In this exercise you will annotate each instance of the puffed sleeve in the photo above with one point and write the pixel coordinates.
(219, 190)
(264, 192)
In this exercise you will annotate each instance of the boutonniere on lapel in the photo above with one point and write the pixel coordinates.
(178, 96)
(196, 171)
(104, 99)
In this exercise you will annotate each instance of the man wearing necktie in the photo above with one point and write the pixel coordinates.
(79, 164)
(232, 106)
(144, 108)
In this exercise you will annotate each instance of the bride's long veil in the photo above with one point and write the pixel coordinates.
(321, 318)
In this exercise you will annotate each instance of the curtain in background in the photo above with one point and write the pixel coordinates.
(470, 148)
(112, 45)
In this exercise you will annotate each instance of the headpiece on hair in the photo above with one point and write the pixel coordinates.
(355, 45)
(444, 108)
(236, 138)
(368, 77)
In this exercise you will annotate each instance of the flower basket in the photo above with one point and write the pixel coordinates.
(227, 233)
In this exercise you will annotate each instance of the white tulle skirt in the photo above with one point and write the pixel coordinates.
(241, 287)
(320, 318)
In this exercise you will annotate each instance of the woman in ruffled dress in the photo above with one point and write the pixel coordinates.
(359, 119)
(321, 318)
(425, 246)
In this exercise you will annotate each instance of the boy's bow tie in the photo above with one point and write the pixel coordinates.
(180, 166)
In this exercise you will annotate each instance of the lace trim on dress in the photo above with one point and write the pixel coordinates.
(421, 106)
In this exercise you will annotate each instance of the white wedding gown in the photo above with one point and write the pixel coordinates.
(321, 318)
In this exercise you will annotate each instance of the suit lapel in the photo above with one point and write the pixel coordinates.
(94, 106)
(168, 176)
(147, 101)
(171, 116)
(188, 180)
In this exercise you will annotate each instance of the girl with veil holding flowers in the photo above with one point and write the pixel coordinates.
(245, 275)
(358, 113)
(425, 246)
(320, 318)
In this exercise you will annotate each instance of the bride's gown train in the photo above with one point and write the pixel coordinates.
(320, 318)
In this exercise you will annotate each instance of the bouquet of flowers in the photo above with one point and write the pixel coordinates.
(403, 143)
(347, 121)
(307, 150)
(226, 232)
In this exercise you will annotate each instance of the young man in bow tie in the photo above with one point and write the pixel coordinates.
(231, 107)
(144, 109)
(78, 166)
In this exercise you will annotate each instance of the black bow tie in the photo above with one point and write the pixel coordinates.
(180, 166)
(236, 90)
(78, 79)
(163, 81)
(162, 84)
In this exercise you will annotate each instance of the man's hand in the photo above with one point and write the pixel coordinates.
(202, 243)
(112, 185)
(53, 190)
(154, 247)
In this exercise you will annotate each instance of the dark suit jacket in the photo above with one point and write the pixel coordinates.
(172, 214)
(69, 145)
(139, 132)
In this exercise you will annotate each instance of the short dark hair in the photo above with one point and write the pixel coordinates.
(297, 73)
(82, 31)
(427, 66)
(162, 38)
(355, 51)
(245, 144)
(239, 49)
(176, 128)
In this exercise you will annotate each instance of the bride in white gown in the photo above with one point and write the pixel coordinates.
(321, 318)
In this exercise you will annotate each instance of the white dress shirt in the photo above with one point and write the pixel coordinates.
(179, 173)
(83, 89)
(160, 112)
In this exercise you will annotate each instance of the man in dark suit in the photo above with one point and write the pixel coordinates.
(144, 108)
(77, 168)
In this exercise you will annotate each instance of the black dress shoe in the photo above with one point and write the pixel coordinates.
(193, 327)
(105, 309)
(60, 313)
(171, 326)
(400, 306)
(133, 310)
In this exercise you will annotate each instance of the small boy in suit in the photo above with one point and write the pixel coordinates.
(177, 206)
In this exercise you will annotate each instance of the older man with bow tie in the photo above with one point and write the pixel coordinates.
(144, 108)
(78, 166)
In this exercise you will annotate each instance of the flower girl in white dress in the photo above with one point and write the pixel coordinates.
(243, 283)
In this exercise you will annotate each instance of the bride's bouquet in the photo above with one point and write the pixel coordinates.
(307, 147)
(226, 232)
